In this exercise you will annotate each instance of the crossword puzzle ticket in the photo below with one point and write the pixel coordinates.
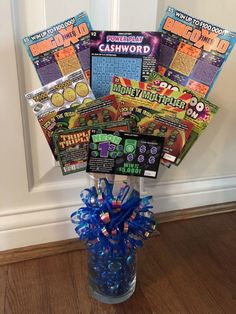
(128, 54)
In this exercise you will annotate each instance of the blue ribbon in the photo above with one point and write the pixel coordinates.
(109, 223)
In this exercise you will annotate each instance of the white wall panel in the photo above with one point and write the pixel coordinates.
(138, 15)
(60, 10)
(101, 14)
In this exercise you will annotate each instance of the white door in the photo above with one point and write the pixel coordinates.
(35, 199)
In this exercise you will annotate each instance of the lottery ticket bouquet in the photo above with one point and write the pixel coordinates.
(121, 137)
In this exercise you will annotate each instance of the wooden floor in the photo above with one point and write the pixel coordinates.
(189, 268)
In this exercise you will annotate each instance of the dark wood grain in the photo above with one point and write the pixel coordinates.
(60, 293)
(156, 285)
(25, 289)
(189, 268)
(200, 243)
(3, 285)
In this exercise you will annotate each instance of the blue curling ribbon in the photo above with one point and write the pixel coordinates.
(113, 224)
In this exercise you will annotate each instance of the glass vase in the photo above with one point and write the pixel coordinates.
(112, 276)
(112, 279)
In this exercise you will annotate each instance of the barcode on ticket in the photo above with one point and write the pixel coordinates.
(73, 167)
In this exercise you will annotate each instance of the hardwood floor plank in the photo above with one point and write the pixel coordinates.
(24, 293)
(220, 238)
(138, 303)
(3, 285)
(197, 252)
(156, 286)
(58, 284)
(78, 273)
(223, 250)
(186, 284)
(212, 226)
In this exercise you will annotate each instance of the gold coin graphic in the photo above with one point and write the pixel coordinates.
(87, 100)
(82, 89)
(57, 99)
(75, 104)
(69, 94)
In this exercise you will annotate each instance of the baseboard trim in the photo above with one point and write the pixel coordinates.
(39, 250)
(53, 248)
(195, 212)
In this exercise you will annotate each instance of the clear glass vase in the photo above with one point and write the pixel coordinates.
(112, 279)
(112, 276)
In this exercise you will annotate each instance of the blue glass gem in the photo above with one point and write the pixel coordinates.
(104, 274)
(114, 288)
(114, 266)
(101, 253)
(130, 260)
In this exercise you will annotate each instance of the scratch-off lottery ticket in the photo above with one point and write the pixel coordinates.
(200, 111)
(131, 94)
(49, 101)
(129, 54)
(101, 110)
(124, 153)
(72, 145)
(175, 132)
(60, 49)
(192, 51)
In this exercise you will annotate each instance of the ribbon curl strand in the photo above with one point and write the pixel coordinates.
(113, 224)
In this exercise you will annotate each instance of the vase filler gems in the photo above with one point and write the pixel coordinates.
(120, 103)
